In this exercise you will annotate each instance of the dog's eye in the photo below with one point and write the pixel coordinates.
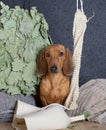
(61, 54)
(47, 54)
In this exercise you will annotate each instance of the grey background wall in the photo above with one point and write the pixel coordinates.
(60, 14)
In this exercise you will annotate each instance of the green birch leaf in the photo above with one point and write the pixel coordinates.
(29, 90)
(38, 17)
(33, 11)
(4, 74)
(3, 19)
(35, 31)
(3, 85)
(13, 52)
(20, 36)
(4, 7)
(29, 73)
(9, 24)
(18, 65)
(26, 27)
(2, 49)
(29, 54)
(5, 34)
(13, 90)
(13, 78)
(45, 25)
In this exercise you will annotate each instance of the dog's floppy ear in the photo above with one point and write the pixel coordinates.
(41, 63)
(67, 65)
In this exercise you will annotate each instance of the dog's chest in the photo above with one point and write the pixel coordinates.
(55, 88)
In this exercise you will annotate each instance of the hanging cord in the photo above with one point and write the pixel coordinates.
(77, 5)
(81, 2)
(91, 17)
(79, 28)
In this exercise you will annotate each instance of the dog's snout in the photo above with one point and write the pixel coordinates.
(53, 69)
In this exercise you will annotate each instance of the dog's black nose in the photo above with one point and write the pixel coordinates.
(53, 69)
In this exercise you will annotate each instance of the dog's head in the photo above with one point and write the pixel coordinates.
(54, 58)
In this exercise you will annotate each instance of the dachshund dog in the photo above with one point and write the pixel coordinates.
(54, 65)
